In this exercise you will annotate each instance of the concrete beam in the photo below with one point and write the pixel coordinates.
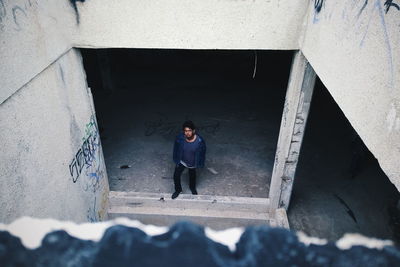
(294, 118)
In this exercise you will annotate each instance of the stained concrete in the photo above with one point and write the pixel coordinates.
(46, 128)
(354, 49)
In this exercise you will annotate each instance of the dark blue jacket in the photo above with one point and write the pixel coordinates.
(200, 155)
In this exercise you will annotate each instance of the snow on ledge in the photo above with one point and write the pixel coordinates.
(31, 231)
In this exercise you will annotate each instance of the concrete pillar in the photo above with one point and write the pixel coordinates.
(294, 118)
(105, 69)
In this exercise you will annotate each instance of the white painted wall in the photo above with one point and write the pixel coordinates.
(191, 24)
(43, 126)
(34, 33)
(355, 50)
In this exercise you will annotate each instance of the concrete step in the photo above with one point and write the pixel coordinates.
(218, 212)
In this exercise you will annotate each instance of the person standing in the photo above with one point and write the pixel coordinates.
(189, 152)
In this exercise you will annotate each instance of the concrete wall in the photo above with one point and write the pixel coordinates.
(354, 48)
(33, 34)
(191, 24)
(45, 109)
(51, 161)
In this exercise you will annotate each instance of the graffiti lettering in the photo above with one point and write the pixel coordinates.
(88, 158)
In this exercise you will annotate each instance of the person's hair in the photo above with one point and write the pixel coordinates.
(188, 124)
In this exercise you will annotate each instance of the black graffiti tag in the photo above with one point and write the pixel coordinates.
(318, 5)
(388, 4)
(86, 155)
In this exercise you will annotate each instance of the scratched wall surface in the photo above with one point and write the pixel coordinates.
(33, 34)
(53, 163)
(207, 24)
(354, 48)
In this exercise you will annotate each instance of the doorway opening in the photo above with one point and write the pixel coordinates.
(234, 97)
(339, 186)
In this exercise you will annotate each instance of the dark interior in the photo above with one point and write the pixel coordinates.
(142, 96)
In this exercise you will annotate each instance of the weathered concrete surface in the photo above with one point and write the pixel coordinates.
(340, 38)
(217, 212)
(38, 32)
(209, 24)
(43, 127)
(354, 49)
(291, 132)
(33, 34)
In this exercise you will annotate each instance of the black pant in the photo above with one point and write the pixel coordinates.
(177, 178)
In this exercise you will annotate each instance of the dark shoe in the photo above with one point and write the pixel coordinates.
(175, 194)
(194, 192)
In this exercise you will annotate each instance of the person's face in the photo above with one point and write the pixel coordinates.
(188, 132)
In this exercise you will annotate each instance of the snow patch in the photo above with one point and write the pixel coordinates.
(349, 240)
(31, 231)
(308, 240)
(228, 237)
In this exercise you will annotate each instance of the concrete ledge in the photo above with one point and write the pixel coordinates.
(218, 212)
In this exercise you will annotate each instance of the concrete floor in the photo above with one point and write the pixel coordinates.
(239, 117)
(235, 118)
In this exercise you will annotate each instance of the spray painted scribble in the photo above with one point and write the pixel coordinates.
(16, 10)
(88, 159)
(91, 215)
(378, 9)
(74, 5)
(362, 9)
(318, 5)
(357, 17)
(388, 4)
(18, 13)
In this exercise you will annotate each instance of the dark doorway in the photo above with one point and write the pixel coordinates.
(235, 97)
(339, 186)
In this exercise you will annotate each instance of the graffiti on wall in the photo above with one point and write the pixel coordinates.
(16, 12)
(87, 161)
(357, 17)
(74, 5)
(318, 5)
(360, 5)
(87, 168)
(390, 3)
(97, 211)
